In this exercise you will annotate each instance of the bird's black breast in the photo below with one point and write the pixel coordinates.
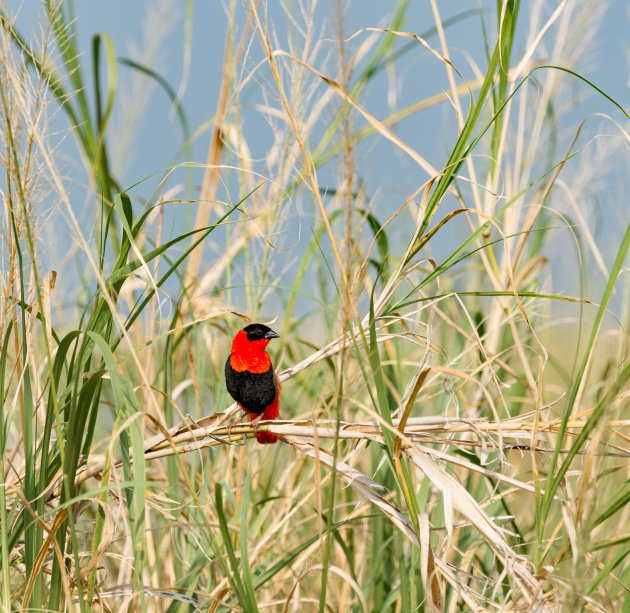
(254, 391)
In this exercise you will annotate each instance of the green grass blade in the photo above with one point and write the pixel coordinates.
(557, 475)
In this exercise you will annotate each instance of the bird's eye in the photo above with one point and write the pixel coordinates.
(254, 332)
(258, 332)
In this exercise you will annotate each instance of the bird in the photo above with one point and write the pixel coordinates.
(250, 378)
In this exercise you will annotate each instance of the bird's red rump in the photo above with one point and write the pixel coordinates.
(271, 412)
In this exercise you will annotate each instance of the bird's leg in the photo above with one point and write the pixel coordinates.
(239, 421)
(233, 424)
(256, 421)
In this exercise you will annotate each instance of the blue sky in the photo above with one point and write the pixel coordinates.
(389, 177)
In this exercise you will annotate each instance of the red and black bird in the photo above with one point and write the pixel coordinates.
(250, 378)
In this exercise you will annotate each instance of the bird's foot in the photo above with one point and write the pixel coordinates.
(230, 427)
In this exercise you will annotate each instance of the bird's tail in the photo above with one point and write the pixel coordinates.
(266, 438)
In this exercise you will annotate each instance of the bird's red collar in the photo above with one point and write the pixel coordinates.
(249, 355)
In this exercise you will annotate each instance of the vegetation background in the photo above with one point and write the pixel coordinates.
(427, 199)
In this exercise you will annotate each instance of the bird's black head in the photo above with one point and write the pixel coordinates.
(258, 332)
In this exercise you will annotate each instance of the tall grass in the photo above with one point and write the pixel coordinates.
(454, 427)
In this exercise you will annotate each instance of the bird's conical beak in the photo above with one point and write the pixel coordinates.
(271, 334)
